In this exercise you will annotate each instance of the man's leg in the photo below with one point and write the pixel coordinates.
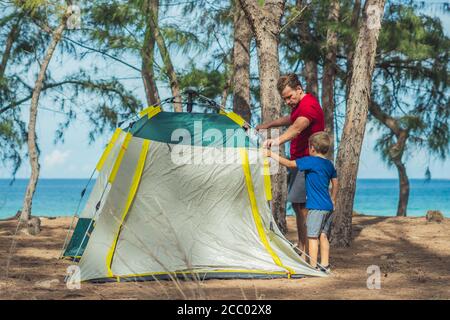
(297, 196)
(324, 250)
(313, 250)
(301, 214)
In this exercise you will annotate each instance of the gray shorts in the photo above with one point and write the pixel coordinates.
(296, 186)
(317, 222)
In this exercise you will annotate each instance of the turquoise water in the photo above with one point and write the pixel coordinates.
(59, 197)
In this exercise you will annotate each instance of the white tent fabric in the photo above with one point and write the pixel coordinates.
(101, 186)
(161, 217)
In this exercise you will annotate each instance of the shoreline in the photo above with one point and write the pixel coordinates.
(355, 214)
(374, 197)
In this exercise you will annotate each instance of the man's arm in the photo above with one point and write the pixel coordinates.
(334, 190)
(280, 122)
(300, 124)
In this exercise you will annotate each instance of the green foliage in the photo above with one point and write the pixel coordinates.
(213, 27)
(12, 139)
(298, 46)
(119, 27)
(411, 81)
(208, 81)
(112, 103)
(183, 41)
(29, 46)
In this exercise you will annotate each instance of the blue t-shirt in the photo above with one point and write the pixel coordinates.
(318, 172)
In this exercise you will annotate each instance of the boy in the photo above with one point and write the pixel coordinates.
(319, 172)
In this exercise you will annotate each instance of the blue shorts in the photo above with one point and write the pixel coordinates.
(317, 222)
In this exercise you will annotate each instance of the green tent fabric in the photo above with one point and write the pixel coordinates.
(201, 129)
(75, 248)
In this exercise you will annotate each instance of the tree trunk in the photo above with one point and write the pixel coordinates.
(12, 35)
(311, 77)
(33, 152)
(310, 72)
(404, 189)
(350, 46)
(148, 55)
(169, 68)
(225, 92)
(265, 23)
(329, 75)
(396, 152)
(355, 121)
(241, 64)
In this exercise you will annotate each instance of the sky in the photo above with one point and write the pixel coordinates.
(76, 158)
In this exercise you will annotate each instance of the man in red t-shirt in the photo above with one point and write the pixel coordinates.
(305, 119)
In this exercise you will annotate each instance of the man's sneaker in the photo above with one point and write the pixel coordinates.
(325, 269)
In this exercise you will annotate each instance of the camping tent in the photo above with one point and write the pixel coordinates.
(182, 195)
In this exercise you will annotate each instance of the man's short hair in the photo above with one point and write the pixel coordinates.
(290, 80)
(320, 141)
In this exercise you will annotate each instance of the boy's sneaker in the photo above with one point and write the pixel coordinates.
(326, 269)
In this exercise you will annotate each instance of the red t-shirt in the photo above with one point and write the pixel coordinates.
(309, 108)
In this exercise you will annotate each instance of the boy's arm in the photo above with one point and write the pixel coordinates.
(280, 159)
(334, 190)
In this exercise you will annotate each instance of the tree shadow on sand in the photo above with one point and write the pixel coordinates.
(409, 270)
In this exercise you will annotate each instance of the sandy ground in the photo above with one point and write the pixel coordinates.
(413, 256)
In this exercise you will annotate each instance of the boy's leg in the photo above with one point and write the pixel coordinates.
(313, 250)
(314, 224)
(324, 250)
(324, 243)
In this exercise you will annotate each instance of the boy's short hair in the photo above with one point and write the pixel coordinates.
(290, 80)
(320, 141)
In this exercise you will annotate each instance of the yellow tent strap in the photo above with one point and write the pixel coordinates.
(131, 194)
(153, 112)
(199, 272)
(234, 116)
(204, 271)
(108, 149)
(267, 182)
(119, 158)
(255, 211)
(146, 111)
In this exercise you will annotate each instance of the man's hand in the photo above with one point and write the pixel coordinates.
(261, 126)
(270, 143)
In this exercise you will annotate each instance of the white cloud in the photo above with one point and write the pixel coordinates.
(56, 158)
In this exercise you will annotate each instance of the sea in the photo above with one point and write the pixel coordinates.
(61, 197)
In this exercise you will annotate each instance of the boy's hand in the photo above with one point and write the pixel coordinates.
(266, 152)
